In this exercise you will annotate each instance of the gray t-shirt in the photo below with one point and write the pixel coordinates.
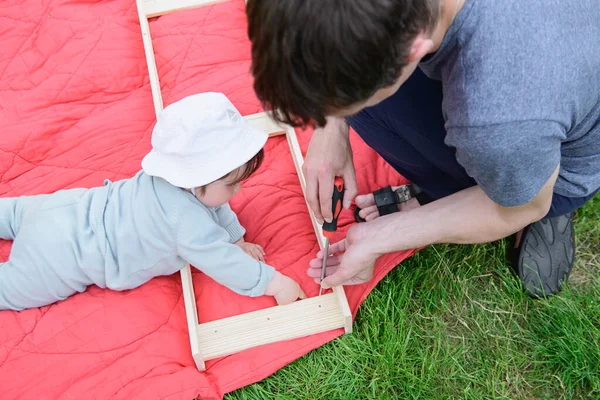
(521, 83)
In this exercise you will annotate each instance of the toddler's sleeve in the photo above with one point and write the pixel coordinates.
(229, 220)
(206, 245)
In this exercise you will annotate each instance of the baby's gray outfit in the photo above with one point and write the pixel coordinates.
(118, 236)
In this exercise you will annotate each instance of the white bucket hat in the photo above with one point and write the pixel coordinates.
(200, 139)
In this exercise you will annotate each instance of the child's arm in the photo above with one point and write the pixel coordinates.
(229, 221)
(205, 245)
(213, 254)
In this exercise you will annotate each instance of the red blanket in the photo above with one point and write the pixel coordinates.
(76, 108)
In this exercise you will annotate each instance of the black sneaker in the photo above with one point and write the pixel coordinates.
(545, 256)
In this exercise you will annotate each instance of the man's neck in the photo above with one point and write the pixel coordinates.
(448, 12)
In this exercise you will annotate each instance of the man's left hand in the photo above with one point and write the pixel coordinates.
(350, 262)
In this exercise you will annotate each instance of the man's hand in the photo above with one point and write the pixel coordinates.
(350, 261)
(329, 155)
(284, 289)
(253, 250)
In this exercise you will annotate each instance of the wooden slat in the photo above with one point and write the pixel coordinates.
(150, 60)
(191, 314)
(155, 8)
(186, 274)
(301, 318)
(340, 294)
(298, 162)
(262, 121)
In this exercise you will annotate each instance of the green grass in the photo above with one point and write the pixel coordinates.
(452, 322)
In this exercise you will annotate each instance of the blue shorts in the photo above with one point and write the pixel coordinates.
(407, 130)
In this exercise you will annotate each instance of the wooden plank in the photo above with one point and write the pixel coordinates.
(191, 314)
(150, 60)
(340, 294)
(156, 8)
(298, 162)
(186, 274)
(301, 318)
(262, 121)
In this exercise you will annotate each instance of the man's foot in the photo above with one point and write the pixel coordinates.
(544, 256)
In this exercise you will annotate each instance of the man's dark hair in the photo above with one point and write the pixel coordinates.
(310, 57)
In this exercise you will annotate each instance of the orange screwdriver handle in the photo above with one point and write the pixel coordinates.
(329, 228)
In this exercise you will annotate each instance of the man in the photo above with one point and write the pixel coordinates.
(490, 108)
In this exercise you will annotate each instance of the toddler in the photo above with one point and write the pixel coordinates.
(174, 211)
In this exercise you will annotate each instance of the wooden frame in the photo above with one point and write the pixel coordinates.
(230, 335)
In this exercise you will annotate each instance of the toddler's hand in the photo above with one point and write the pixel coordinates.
(254, 250)
(284, 289)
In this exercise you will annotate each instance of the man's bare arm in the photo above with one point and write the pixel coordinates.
(466, 217)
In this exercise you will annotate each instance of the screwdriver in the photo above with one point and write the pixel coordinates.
(329, 228)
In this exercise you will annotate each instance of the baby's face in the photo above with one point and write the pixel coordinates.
(218, 193)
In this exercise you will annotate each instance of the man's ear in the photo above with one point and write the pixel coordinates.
(421, 46)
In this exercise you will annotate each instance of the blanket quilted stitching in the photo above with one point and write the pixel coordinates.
(76, 108)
